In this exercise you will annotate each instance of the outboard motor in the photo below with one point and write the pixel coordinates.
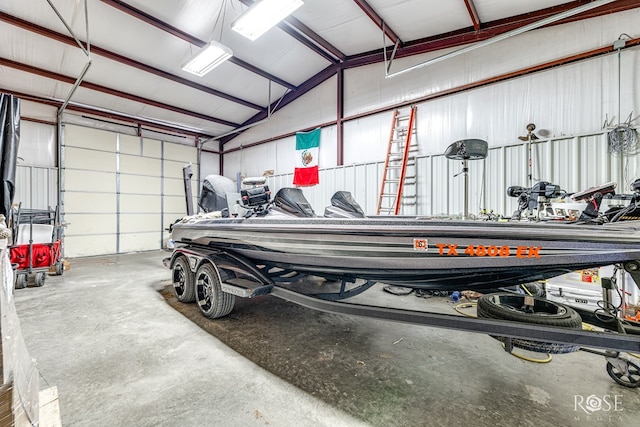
(213, 196)
(291, 202)
(343, 205)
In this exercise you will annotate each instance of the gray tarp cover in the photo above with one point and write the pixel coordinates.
(10, 139)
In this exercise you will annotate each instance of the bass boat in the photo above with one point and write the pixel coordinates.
(416, 252)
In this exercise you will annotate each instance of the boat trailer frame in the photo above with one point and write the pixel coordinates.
(249, 280)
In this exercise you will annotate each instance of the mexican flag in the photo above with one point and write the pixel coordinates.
(306, 171)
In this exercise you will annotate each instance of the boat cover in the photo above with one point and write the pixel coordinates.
(292, 201)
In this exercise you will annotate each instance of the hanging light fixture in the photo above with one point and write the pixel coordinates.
(209, 57)
(262, 15)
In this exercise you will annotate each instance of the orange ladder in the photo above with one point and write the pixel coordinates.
(394, 176)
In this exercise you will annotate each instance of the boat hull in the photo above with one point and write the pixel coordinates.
(416, 252)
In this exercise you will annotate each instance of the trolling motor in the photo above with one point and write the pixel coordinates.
(534, 197)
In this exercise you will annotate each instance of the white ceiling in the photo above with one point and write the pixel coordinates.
(137, 52)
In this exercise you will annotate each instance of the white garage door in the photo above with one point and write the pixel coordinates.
(120, 191)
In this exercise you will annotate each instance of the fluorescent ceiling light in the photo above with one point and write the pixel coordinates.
(207, 59)
(262, 15)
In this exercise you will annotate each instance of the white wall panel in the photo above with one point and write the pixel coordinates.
(133, 223)
(36, 187)
(152, 148)
(138, 203)
(180, 153)
(279, 156)
(88, 159)
(573, 163)
(130, 144)
(136, 242)
(89, 181)
(84, 203)
(209, 164)
(93, 139)
(139, 184)
(93, 224)
(140, 165)
(75, 246)
(317, 106)
(37, 145)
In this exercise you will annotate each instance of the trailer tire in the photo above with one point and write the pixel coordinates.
(183, 279)
(212, 301)
(22, 280)
(60, 268)
(507, 306)
(39, 279)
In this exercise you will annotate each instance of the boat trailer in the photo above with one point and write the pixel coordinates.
(213, 278)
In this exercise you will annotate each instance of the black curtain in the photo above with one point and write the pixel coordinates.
(9, 141)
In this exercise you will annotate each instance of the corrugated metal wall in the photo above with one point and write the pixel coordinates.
(36, 187)
(574, 163)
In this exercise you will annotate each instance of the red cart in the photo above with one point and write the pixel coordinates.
(37, 245)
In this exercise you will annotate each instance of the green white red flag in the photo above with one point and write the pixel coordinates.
(306, 169)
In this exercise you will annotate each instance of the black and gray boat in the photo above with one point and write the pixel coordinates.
(417, 252)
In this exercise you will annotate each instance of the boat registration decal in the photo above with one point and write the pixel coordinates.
(420, 244)
(446, 249)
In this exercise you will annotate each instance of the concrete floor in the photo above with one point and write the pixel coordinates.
(123, 351)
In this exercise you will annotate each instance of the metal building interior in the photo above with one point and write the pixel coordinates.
(109, 117)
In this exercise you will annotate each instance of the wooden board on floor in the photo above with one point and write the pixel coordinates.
(49, 408)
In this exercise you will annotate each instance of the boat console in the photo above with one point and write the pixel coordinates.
(343, 205)
(291, 201)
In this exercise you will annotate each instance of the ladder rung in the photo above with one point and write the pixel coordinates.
(391, 181)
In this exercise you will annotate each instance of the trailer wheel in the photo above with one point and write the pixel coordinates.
(183, 279)
(627, 375)
(60, 268)
(213, 303)
(506, 306)
(39, 278)
(22, 280)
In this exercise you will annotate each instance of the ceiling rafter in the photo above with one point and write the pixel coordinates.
(105, 114)
(442, 41)
(308, 85)
(473, 14)
(311, 39)
(377, 19)
(307, 37)
(29, 26)
(488, 30)
(103, 89)
(161, 25)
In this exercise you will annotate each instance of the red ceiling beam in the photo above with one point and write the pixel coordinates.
(34, 28)
(98, 88)
(473, 13)
(373, 15)
(452, 91)
(313, 82)
(106, 115)
(151, 20)
(307, 37)
(488, 30)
